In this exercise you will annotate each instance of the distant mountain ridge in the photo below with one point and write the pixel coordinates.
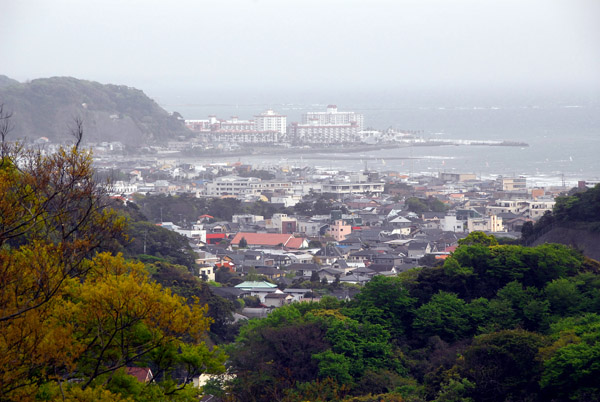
(47, 107)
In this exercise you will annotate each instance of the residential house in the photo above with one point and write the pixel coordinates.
(339, 230)
(207, 273)
(142, 374)
(304, 270)
(418, 250)
(297, 294)
(277, 299)
(270, 240)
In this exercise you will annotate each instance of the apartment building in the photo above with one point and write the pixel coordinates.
(237, 186)
(334, 117)
(271, 121)
(512, 183)
(267, 128)
(343, 188)
(316, 133)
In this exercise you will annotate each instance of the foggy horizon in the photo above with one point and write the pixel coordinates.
(435, 46)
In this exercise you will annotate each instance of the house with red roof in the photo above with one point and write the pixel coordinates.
(270, 240)
(143, 374)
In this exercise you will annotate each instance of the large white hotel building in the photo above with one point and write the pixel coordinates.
(267, 127)
(329, 127)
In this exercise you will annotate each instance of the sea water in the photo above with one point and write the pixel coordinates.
(562, 129)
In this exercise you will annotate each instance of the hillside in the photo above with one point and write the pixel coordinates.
(494, 323)
(586, 241)
(47, 107)
(575, 221)
(6, 81)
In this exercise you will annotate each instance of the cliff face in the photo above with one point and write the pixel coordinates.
(586, 241)
(48, 107)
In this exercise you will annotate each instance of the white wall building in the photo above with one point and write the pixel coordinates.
(240, 186)
(120, 187)
(342, 188)
(231, 185)
(332, 117)
(271, 121)
(527, 208)
(451, 224)
(316, 133)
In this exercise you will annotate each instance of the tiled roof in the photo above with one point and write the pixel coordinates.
(255, 285)
(268, 239)
(143, 374)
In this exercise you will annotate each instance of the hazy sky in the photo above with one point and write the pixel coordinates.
(304, 44)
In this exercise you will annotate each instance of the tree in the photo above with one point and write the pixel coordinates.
(503, 366)
(53, 219)
(445, 315)
(478, 238)
(67, 312)
(384, 301)
(571, 364)
(243, 243)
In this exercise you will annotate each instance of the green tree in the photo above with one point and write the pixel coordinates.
(503, 366)
(445, 316)
(478, 238)
(66, 310)
(384, 301)
(571, 365)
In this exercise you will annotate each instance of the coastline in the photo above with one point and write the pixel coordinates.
(317, 153)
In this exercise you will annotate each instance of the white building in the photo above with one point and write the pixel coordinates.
(332, 117)
(527, 208)
(451, 224)
(343, 188)
(247, 219)
(271, 121)
(268, 127)
(490, 223)
(231, 185)
(316, 133)
(512, 183)
(240, 186)
(245, 136)
(207, 273)
(120, 187)
(310, 227)
(236, 124)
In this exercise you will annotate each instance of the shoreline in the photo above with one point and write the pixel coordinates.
(266, 150)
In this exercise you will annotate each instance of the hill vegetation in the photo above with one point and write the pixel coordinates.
(45, 108)
(74, 315)
(494, 323)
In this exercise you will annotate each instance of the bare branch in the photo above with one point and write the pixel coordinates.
(77, 131)
(5, 127)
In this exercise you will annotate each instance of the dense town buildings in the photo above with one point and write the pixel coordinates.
(337, 226)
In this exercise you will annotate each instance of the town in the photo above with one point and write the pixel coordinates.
(318, 231)
(324, 231)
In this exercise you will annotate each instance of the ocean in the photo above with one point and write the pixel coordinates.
(561, 128)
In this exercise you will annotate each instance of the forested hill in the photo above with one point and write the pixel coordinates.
(47, 107)
(494, 323)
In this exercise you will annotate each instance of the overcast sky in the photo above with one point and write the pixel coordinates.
(304, 44)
